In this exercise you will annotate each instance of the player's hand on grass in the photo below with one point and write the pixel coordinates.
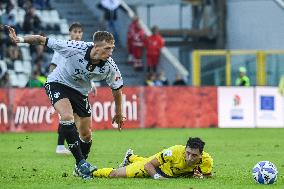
(119, 120)
(157, 176)
(197, 174)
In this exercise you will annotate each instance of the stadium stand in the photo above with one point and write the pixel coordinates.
(53, 19)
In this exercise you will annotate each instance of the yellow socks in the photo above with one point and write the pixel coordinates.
(103, 173)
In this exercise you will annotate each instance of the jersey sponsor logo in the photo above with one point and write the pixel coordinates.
(80, 75)
(90, 67)
(104, 111)
(77, 45)
(33, 114)
(102, 69)
(80, 61)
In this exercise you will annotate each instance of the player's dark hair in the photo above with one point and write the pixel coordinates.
(195, 143)
(75, 25)
(100, 36)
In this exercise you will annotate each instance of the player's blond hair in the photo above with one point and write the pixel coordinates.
(100, 36)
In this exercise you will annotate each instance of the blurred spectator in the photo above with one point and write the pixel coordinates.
(32, 23)
(243, 79)
(13, 54)
(150, 78)
(179, 80)
(41, 57)
(153, 45)
(4, 3)
(130, 33)
(25, 4)
(2, 44)
(110, 8)
(36, 80)
(136, 38)
(5, 80)
(162, 78)
(41, 4)
(8, 18)
(3, 69)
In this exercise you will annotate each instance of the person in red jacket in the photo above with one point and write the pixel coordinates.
(138, 46)
(135, 41)
(130, 33)
(153, 45)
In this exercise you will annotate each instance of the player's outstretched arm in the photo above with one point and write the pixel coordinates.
(118, 118)
(31, 39)
(150, 167)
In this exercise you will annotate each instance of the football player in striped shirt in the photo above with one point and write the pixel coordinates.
(68, 85)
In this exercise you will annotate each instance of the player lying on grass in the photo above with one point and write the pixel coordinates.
(176, 161)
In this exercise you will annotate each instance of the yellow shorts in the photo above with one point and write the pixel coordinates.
(136, 170)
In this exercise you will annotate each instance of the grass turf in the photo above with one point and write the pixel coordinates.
(28, 160)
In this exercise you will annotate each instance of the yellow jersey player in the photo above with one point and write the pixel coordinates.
(176, 161)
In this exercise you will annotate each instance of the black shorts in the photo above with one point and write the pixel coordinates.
(80, 103)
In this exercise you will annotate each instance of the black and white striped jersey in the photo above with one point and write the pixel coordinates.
(76, 71)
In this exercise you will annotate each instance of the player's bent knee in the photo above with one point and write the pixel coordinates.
(66, 117)
(86, 137)
(114, 174)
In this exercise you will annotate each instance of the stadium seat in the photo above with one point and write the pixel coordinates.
(54, 17)
(18, 66)
(3, 68)
(22, 80)
(27, 67)
(19, 15)
(64, 28)
(13, 78)
(26, 54)
(45, 18)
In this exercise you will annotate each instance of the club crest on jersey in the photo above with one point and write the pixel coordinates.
(56, 95)
(168, 153)
(117, 78)
(90, 67)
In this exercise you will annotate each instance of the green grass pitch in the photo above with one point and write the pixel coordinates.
(28, 160)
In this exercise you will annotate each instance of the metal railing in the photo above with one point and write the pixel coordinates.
(165, 51)
(264, 67)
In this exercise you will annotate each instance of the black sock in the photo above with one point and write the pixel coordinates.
(85, 148)
(61, 138)
(72, 138)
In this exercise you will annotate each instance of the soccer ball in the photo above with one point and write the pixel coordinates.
(264, 172)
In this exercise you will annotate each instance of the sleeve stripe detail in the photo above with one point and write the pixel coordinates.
(162, 156)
